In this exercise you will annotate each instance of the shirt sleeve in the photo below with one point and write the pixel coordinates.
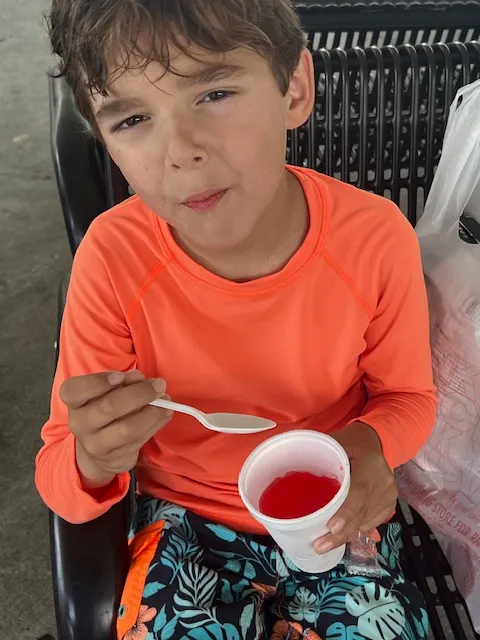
(94, 338)
(397, 363)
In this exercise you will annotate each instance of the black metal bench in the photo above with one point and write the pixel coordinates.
(344, 24)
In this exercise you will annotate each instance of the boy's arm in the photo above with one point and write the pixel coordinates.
(397, 359)
(94, 338)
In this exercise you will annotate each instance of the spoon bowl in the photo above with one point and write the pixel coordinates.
(234, 423)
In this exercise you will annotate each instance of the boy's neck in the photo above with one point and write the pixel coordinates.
(278, 236)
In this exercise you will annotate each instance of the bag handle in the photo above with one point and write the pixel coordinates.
(458, 172)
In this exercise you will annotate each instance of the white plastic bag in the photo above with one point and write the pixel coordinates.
(443, 482)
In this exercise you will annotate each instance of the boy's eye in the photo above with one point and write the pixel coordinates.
(133, 121)
(217, 96)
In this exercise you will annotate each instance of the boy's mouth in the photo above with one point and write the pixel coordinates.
(206, 201)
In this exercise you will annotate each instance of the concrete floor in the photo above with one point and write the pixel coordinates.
(33, 255)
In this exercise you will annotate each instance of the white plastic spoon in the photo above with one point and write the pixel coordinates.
(223, 422)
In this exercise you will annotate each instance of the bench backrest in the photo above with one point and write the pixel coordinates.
(344, 24)
(380, 116)
(378, 123)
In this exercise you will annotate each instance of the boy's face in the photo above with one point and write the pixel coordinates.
(206, 152)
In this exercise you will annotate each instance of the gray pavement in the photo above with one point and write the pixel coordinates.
(33, 255)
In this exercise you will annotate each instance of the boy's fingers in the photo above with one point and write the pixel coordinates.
(346, 521)
(117, 404)
(332, 541)
(76, 392)
(134, 430)
(133, 376)
(383, 517)
(353, 509)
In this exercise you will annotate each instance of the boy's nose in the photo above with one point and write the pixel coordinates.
(183, 151)
(186, 163)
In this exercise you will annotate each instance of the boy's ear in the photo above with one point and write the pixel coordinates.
(301, 92)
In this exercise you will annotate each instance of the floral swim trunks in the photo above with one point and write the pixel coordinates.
(194, 579)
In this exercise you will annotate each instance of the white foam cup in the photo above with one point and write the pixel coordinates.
(297, 451)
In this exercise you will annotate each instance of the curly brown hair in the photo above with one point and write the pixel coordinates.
(88, 34)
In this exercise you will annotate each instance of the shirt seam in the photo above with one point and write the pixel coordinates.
(157, 268)
(316, 253)
(335, 266)
(149, 278)
(247, 294)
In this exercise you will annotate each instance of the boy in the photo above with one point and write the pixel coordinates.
(244, 286)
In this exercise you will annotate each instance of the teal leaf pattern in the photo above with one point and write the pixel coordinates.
(234, 566)
(152, 510)
(249, 571)
(408, 633)
(339, 631)
(182, 547)
(152, 567)
(263, 557)
(171, 514)
(389, 555)
(332, 590)
(224, 554)
(226, 594)
(246, 618)
(152, 588)
(303, 606)
(160, 619)
(194, 599)
(380, 614)
(222, 532)
(282, 570)
(208, 632)
(290, 564)
(231, 632)
(349, 607)
(422, 625)
(258, 556)
(241, 587)
(169, 629)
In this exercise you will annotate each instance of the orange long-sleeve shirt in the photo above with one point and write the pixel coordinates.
(340, 333)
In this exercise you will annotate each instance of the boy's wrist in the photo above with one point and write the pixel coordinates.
(359, 436)
(91, 477)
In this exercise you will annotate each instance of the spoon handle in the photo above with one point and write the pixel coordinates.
(181, 408)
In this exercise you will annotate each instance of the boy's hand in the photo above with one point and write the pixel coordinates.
(373, 492)
(111, 419)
